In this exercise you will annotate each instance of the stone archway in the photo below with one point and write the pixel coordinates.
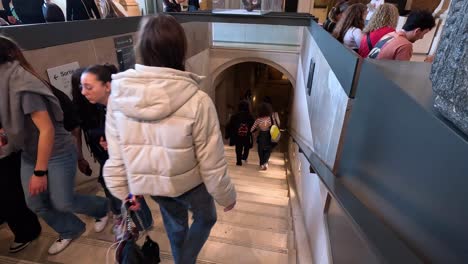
(221, 68)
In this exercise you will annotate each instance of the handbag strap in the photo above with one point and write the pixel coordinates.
(374, 53)
(86, 9)
(369, 43)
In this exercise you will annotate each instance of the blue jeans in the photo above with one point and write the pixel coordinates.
(192, 8)
(187, 242)
(57, 205)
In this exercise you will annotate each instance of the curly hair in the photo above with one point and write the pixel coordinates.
(353, 17)
(385, 16)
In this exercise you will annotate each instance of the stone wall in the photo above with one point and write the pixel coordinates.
(450, 69)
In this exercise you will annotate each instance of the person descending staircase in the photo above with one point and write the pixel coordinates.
(257, 231)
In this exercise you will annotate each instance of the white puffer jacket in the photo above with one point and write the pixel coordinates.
(163, 136)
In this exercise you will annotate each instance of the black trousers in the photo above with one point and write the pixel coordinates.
(115, 203)
(22, 221)
(242, 151)
(31, 18)
(264, 146)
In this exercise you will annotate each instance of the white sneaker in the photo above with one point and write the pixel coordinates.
(59, 245)
(245, 161)
(100, 224)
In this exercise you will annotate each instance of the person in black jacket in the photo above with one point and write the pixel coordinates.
(22, 221)
(238, 131)
(28, 11)
(193, 5)
(53, 13)
(82, 10)
(172, 5)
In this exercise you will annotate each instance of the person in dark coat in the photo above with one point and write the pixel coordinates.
(28, 11)
(238, 131)
(22, 221)
(172, 5)
(82, 10)
(193, 5)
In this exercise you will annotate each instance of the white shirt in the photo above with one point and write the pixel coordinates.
(352, 38)
(372, 7)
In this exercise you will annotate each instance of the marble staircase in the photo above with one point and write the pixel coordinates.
(259, 230)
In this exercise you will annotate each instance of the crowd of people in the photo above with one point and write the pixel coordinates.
(16, 12)
(151, 129)
(371, 30)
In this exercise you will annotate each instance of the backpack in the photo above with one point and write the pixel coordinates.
(243, 130)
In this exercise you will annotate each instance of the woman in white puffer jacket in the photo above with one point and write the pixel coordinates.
(164, 139)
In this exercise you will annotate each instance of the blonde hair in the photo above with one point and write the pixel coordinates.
(386, 15)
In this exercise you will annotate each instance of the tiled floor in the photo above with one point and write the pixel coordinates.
(258, 230)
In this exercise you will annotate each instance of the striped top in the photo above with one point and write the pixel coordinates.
(262, 123)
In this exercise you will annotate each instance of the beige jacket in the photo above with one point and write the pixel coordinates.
(163, 136)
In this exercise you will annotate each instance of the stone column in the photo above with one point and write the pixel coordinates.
(132, 7)
(450, 69)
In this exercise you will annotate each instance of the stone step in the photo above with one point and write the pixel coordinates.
(258, 230)
(254, 168)
(258, 179)
(242, 207)
(232, 150)
(261, 185)
(255, 198)
(253, 159)
(238, 219)
(254, 171)
(214, 251)
(262, 191)
(10, 260)
(36, 252)
(237, 228)
(270, 211)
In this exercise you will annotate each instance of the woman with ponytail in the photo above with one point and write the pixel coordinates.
(335, 15)
(32, 119)
(96, 90)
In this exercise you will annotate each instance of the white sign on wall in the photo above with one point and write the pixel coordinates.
(60, 77)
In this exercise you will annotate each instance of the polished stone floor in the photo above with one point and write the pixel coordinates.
(257, 231)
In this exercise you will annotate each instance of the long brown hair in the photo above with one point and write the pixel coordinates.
(10, 52)
(162, 42)
(353, 17)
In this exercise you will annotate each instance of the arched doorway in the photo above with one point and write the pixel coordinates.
(253, 81)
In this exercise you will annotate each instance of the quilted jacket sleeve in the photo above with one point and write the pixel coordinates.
(114, 172)
(209, 150)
